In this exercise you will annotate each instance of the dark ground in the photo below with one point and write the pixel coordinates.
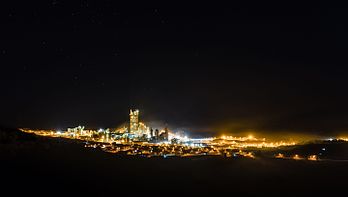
(44, 166)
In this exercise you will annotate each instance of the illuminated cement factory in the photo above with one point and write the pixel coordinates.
(140, 139)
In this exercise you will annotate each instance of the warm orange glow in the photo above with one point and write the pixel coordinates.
(296, 157)
(313, 158)
(279, 155)
(104, 139)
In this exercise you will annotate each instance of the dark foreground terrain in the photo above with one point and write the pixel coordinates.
(44, 166)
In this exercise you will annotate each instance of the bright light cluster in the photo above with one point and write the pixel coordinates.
(177, 144)
(249, 141)
(140, 139)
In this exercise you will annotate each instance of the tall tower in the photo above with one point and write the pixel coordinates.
(133, 121)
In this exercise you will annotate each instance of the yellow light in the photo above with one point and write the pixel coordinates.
(296, 157)
(313, 158)
(279, 155)
(343, 139)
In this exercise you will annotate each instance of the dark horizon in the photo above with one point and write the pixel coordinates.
(216, 68)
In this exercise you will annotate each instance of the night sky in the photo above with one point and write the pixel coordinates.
(199, 67)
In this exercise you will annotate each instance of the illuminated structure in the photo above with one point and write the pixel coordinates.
(134, 121)
(143, 130)
(77, 130)
(138, 138)
(137, 130)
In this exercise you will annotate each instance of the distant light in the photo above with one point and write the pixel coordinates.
(296, 157)
(279, 155)
(313, 158)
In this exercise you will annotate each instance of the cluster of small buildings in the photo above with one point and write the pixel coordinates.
(136, 131)
(139, 139)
